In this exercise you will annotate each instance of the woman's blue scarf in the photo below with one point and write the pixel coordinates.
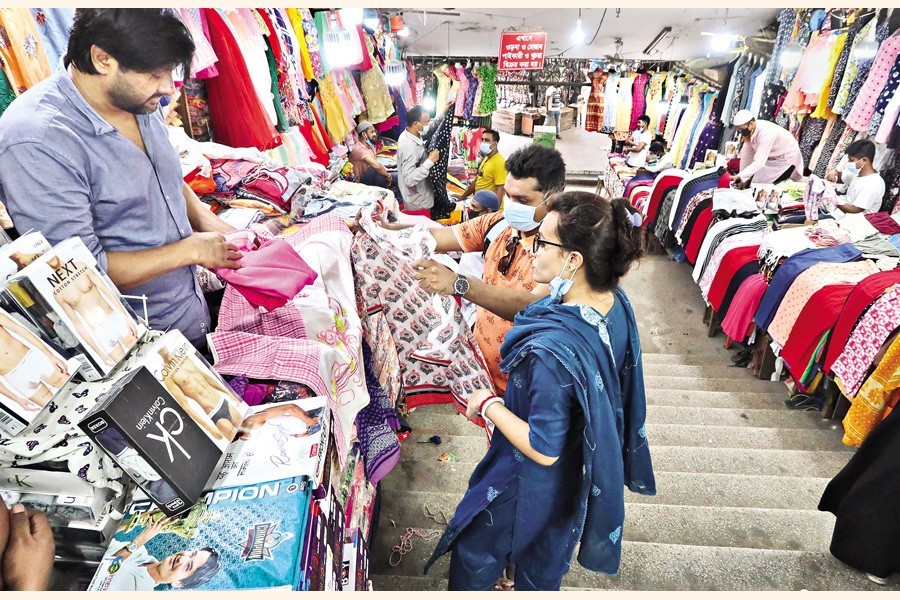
(616, 452)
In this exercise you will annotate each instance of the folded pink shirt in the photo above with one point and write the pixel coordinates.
(270, 274)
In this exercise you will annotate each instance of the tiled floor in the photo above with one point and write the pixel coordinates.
(583, 151)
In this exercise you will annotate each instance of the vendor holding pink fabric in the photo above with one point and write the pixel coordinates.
(769, 153)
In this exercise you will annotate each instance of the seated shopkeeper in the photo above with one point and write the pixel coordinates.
(864, 186)
(86, 153)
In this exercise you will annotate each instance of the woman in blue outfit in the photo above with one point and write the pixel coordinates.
(570, 430)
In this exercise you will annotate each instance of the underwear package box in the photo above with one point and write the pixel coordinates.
(21, 252)
(240, 538)
(168, 422)
(32, 373)
(286, 439)
(77, 307)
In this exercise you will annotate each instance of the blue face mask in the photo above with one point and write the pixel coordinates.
(485, 148)
(851, 169)
(520, 216)
(559, 287)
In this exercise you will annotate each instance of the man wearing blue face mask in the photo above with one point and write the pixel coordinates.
(491, 170)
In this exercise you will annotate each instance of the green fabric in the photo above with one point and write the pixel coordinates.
(282, 125)
(7, 94)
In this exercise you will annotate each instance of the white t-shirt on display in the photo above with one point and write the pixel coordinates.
(639, 159)
(865, 192)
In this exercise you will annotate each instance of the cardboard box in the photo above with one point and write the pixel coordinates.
(77, 307)
(32, 373)
(21, 252)
(168, 423)
(242, 538)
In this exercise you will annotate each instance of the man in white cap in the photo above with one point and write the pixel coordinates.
(366, 168)
(769, 153)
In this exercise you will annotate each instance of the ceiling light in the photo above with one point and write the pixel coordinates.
(428, 103)
(403, 32)
(790, 58)
(578, 34)
(371, 19)
(340, 51)
(722, 42)
(659, 38)
(394, 73)
(351, 16)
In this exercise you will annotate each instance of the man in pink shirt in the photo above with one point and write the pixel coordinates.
(769, 153)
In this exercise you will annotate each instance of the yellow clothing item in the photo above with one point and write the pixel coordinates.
(22, 53)
(823, 111)
(297, 23)
(869, 406)
(335, 121)
(491, 173)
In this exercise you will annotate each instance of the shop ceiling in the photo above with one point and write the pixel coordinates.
(476, 32)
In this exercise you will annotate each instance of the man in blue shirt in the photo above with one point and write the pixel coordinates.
(86, 153)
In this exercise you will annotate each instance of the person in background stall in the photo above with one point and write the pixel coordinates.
(554, 106)
(639, 145)
(413, 165)
(864, 186)
(27, 549)
(86, 153)
(366, 167)
(658, 160)
(491, 173)
(570, 431)
(769, 153)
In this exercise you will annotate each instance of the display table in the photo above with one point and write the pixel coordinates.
(508, 121)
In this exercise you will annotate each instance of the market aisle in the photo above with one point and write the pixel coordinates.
(739, 476)
(584, 151)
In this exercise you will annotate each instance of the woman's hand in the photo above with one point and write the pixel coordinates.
(475, 401)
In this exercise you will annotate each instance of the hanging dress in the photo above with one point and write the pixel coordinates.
(443, 88)
(623, 113)
(463, 91)
(489, 92)
(479, 92)
(22, 53)
(596, 101)
(610, 103)
(638, 99)
(472, 92)
(379, 105)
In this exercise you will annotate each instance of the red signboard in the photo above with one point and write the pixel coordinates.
(521, 51)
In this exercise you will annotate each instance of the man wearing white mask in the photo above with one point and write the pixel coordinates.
(865, 187)
(491, 170)
(366, 168)
(769, 153)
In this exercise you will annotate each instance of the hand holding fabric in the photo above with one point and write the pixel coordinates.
(434, 277)
(213, 251)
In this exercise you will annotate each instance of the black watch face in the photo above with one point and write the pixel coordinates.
(461, 286)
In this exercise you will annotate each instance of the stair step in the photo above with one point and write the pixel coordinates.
(688, 359)
(749, 461)
(779, 529)
(400, 583)
(659, 566)
(710, 370)
(706, 384)
(685, 489)
(716, 399)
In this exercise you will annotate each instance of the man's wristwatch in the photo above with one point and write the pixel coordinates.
(461, 286)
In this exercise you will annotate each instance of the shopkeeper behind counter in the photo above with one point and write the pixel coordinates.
(86, 153)
(864, 186)
(769, 153)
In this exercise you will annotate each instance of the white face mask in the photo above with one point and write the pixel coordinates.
(485, 148)
(520, 216)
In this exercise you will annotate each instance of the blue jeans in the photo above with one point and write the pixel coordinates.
(554, 114)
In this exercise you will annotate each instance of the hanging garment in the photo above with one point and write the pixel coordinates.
(376, 425)
(884, 99)
(488, 74)
(741, 240)
(439, 359)
(252, 44)
(638, 99)
(654, 101)
(463, 92)
(873, 330)
(861, 495)
(738, 322)
(443, 89)
(732, 262)
(22, 53)
(869, 404)
(786, 18)
(828, 147)
(624, 100)
(881, 34)
(858, 70)
(810, 135)
(237, 116)
(709, 139)
(379, 105)
(471, 92)
(479, 92)
(596, 101)
(864, 107)
(53, 25)
(610, 103)
(437, 176)
(821, 145)
(742, 74)
(284, 102)
(271, 273)
(696, 204)
(719, 232)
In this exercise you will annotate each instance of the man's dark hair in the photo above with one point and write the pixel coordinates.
(657, 147)
(494, 133)
(414, 114)
(645, 119)
(544, 164)
(203, 574)
(862, 149)
(140, 39)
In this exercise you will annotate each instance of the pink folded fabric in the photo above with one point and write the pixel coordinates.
(271, 273)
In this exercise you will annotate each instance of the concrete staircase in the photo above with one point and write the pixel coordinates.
(739, 476)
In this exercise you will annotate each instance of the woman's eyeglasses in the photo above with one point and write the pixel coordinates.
(540, 242)
(506, 262)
